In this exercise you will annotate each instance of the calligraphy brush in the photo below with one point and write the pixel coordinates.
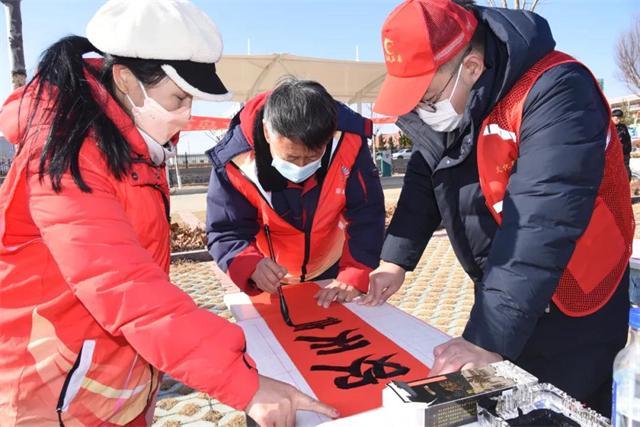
(284, 310)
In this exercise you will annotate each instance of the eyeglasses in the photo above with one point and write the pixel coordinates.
(430, 105)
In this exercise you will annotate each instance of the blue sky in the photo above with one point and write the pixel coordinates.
(587, 29)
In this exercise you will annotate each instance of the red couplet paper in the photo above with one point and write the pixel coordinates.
(344, 360)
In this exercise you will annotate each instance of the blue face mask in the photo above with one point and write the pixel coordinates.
(293, 172)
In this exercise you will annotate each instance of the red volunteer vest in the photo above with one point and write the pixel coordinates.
(304, 255)
(602, 253)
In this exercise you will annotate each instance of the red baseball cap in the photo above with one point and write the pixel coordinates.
(417, 38)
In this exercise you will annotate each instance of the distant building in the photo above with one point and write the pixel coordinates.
(7, 152)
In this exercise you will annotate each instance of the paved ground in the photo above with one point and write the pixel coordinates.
(188, 202)
(190, 206)
(193, 198)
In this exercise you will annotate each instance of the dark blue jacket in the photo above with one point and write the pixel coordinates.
(232, 221)
(551, 192)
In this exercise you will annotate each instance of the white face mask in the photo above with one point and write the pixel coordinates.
(157, 125)
(444, 118)
(293, 172)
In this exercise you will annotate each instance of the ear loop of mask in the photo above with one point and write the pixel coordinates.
(144, 92)
(455, 85)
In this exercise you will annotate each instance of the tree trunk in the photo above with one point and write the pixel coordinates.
(16, 50)
(628, 57)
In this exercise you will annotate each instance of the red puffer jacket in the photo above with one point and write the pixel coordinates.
(88, 317)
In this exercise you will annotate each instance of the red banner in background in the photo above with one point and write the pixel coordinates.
(222, 123)
(345, 361)
(207, 123)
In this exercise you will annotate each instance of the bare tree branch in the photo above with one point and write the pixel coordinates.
(628, 57)
(16, 50)
(517, 4)
(533, 6)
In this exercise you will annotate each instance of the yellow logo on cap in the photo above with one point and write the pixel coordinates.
(389, 55)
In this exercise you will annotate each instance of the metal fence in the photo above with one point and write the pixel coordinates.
(6, 156)
(5, 164)
(192, 160)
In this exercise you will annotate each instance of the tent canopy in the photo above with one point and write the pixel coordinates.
(348, 81)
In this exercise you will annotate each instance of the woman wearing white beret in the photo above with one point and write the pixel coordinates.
(88, 317)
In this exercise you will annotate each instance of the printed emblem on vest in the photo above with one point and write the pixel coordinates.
(494, 129)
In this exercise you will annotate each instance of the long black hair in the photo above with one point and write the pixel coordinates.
(72, 110)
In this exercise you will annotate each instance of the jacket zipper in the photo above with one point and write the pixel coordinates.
(65, 386)
(308, 226)
(165, 201)
(151, 388)
(307, 232)
(307, 249)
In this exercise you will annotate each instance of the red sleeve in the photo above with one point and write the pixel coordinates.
(352, 272)
(242, 267)
(128, 294)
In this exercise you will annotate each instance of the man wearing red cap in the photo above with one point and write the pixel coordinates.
(515, 155)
